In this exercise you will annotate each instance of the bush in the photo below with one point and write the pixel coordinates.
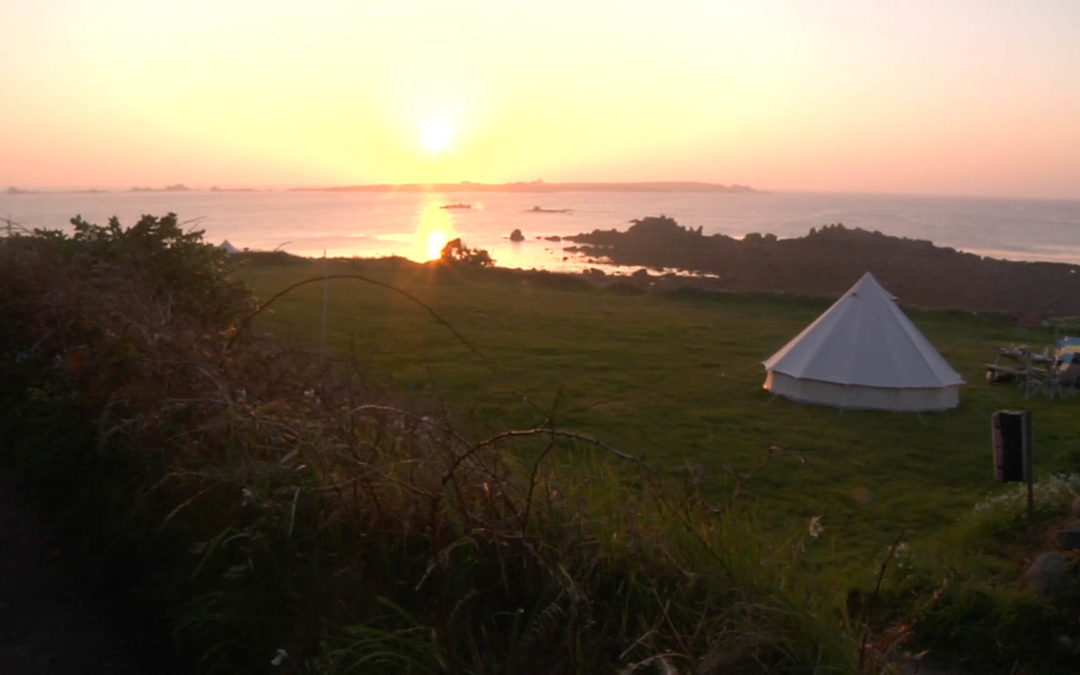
(457, 252)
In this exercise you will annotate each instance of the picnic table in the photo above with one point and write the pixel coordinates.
(1013, 363)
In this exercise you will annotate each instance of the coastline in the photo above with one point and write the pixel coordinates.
(370, 224)
(825, 261)
(920, 274)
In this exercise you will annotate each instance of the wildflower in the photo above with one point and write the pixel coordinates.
(815, 528)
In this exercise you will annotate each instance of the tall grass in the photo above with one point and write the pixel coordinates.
(308, 512)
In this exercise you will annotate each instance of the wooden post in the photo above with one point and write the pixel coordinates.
(1029, 476)
(1013, 455)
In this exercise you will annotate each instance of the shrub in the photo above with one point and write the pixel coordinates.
(457, 252)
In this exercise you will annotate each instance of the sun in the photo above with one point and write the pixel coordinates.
(437, 136)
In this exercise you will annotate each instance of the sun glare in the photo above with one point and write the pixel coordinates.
(437, 136)
(435, 243)
(435, 230)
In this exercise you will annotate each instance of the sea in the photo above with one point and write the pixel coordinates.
(416, 225)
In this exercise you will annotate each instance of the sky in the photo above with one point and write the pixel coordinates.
(969, 97)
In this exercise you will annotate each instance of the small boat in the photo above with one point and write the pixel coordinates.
(537, 209)
(459, 205)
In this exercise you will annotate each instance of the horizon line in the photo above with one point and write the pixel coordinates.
(545, 186)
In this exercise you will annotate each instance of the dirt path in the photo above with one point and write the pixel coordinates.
(52, 621)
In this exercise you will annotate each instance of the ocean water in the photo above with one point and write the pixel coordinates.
(414, 226)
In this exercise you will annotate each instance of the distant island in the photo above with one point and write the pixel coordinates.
(464, 186)
(178, 187)
(537, 186)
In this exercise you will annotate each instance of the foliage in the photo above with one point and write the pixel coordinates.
(278, 501)
(995, 632)
(1000, 521)
(175, 264)
(957, 595)
(457, 252)
(406, 506)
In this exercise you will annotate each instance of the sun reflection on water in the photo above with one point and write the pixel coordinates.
(435, 229)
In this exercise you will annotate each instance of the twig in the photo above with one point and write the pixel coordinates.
(667, 617)
(184, 504)
(873, 598)
(292, 512)
(516, 433)
(532, 484)
(359, 277)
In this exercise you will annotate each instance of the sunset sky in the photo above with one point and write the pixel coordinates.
(977, 97)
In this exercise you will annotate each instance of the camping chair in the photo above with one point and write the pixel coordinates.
(1057, 381)
(1067, 344)
(1041, 382)
(1068, 374)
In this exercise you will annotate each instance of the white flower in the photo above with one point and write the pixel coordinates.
(815, 528)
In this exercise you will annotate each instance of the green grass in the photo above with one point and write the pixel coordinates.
(676, 379)
(375, 509)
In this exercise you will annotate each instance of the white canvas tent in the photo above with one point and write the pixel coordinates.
(863, 352)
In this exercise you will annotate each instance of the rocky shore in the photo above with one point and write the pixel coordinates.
(829, 259)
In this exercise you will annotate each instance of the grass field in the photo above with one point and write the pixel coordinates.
(675, 378)
(451, 485)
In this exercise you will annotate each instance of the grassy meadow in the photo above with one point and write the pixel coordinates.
(447, 468)
(675, 379)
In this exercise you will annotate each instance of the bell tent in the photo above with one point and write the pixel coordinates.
(864, 353)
